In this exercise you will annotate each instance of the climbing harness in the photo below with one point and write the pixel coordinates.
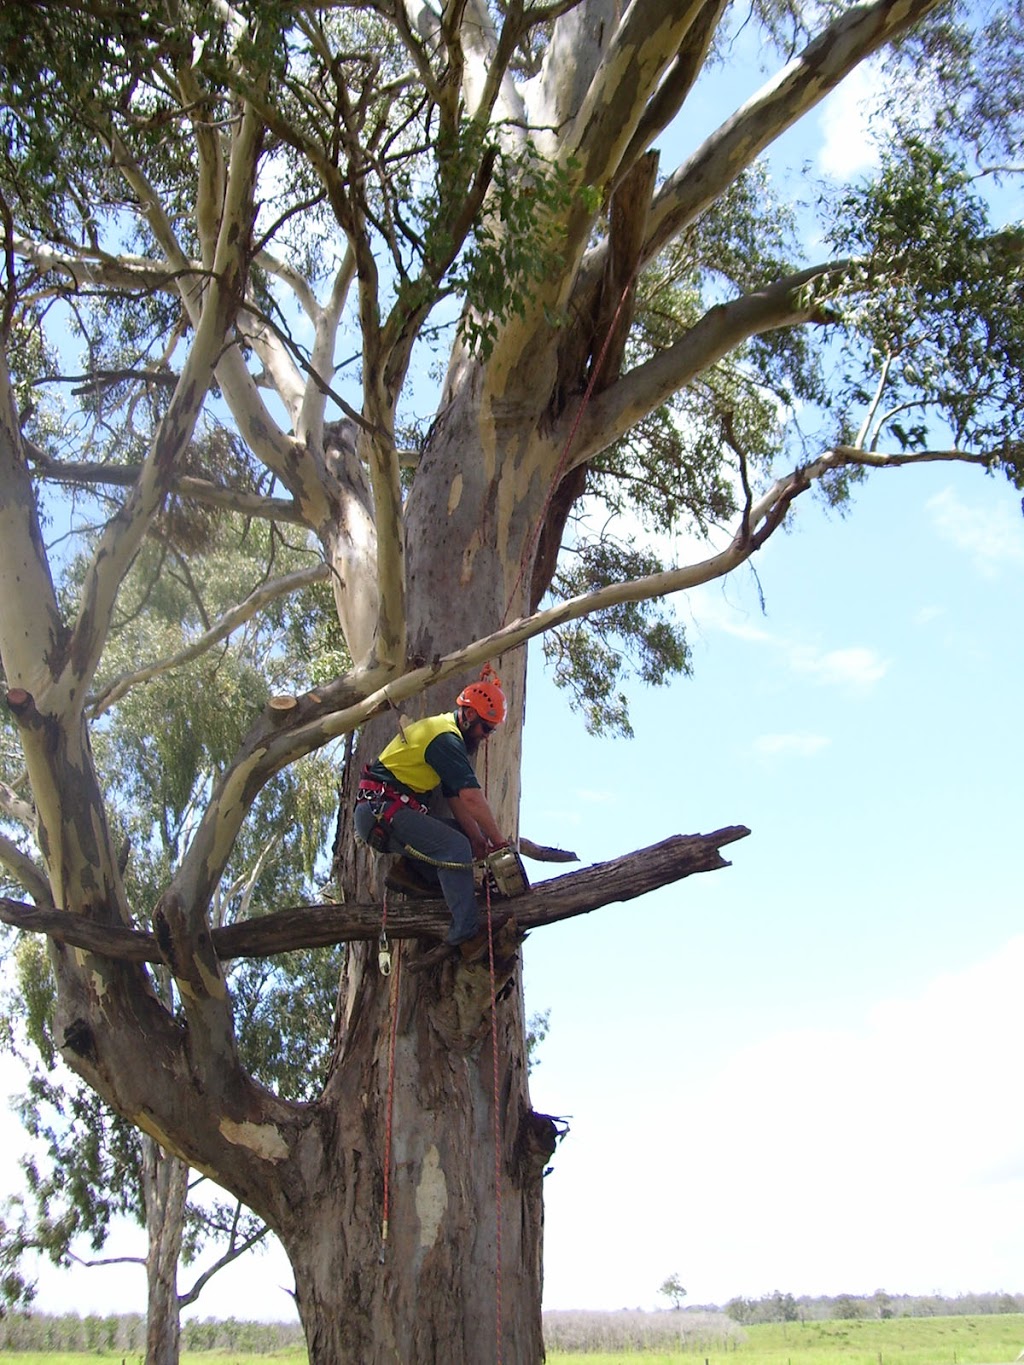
(503, 869)
(384, 800)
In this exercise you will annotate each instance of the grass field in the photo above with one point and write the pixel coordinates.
(995, 1340)
(292, 1357)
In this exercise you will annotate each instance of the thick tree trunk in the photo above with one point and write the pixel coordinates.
(428, 1286)
(445, 1118)
(165, 1181)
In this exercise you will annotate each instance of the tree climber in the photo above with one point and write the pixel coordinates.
(391, 814)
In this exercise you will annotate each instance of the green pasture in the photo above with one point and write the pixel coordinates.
(296, 1356)
(995, 1340)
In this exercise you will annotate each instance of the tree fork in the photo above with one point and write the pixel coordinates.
(317, 926)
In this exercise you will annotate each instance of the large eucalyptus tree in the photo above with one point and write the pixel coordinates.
(261, 216)
(156, 762)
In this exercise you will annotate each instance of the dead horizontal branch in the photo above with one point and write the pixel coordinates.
(317, 926)
(544, 853)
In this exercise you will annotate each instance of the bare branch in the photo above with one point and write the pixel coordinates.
(128, 945)
(119, 543)
(219, 630)
(862, 435)
(789, 301)
(842, 46)
(544, 853)
(232, 1254)
(676, 84)
(25, 870)
(16, 807)
(312, 926)
(201, 491)
(616, 100)
(30, 619)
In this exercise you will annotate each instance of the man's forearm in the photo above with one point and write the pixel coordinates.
(473, 813)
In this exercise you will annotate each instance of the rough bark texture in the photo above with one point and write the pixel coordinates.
(459, 1113)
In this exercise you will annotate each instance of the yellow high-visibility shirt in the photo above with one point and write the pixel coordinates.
(427, 754)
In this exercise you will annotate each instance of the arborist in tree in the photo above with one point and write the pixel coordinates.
(391, 815)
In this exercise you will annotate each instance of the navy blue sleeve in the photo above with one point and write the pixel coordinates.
(447, 755)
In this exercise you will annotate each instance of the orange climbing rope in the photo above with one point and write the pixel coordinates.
(496, 1121)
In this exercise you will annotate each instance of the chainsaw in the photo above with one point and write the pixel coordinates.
(505, 874)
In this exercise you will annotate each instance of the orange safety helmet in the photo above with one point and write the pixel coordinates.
(485, 697)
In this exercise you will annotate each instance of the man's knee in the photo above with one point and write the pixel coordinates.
(366, 824)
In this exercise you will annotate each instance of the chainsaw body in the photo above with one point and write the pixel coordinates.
(503, 868)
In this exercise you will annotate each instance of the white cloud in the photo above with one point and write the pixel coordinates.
(861, 1153)
(847, 146)
(887, 1152)
(800, 745)
(992, 536)
(855, 667)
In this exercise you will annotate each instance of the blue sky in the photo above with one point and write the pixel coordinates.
(800, 1072)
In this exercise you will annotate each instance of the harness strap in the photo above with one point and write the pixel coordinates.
(385, 797)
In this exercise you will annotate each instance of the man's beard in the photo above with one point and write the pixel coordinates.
(472, 744)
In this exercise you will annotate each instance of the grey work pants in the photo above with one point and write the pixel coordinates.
(412, 832)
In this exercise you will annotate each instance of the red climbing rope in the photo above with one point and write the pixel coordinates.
(497, 1125)
(496, 1120)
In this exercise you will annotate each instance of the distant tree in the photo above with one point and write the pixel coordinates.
(847, 1306)
(536, 1032)
(882, 1304)
(741, 1310)
(673, 1290)
(784, 1307)
(774, 1307)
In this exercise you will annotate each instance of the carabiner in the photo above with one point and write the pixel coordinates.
(383, 955)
